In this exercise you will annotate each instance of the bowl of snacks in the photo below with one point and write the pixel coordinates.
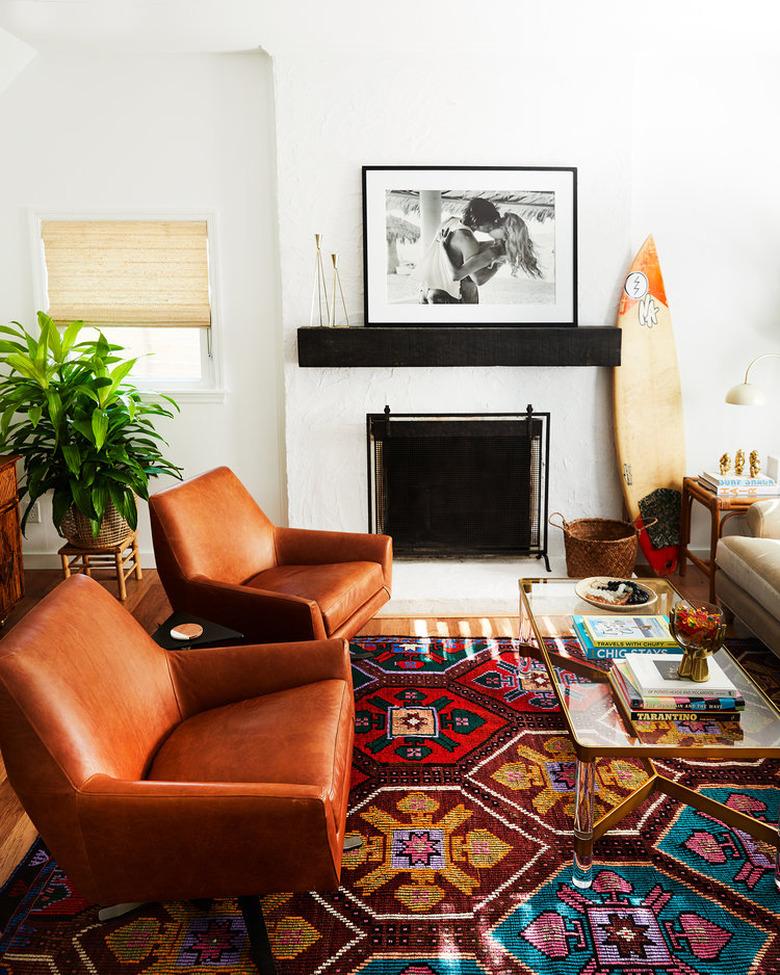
(699, 628)
(618, 595)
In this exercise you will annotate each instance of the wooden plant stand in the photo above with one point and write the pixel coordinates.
(122, 559)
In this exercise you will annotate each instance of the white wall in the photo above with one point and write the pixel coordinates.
(335, 115)
(705, 182)
(190, 132)
(14, 55)
(681, 148)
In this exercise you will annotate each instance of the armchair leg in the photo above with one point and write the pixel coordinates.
(259, 945)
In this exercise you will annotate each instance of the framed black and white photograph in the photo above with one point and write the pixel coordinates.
(469, 246)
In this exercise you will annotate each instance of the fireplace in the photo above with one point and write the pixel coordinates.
(459, 485)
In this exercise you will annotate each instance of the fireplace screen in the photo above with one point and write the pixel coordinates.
(459, 484)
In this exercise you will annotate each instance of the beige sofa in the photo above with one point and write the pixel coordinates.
(747, 580)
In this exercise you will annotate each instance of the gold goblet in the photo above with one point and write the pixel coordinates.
(699, 628)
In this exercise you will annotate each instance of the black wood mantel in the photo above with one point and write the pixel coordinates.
(545, 345)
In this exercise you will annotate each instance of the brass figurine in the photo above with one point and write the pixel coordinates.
(725, 464)
(755, 463)
(739, 462)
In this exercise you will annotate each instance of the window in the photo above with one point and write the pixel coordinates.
(144, 283)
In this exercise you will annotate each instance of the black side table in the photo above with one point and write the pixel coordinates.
(213, 634)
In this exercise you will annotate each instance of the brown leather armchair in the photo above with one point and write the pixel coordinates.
(220, 557)
(166, 776)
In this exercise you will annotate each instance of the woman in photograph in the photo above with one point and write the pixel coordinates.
(457, 265)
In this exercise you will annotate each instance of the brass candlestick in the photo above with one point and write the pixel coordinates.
(337, 287)
(319, 295)
(699, 629)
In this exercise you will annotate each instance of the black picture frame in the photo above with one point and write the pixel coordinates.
(379, 313)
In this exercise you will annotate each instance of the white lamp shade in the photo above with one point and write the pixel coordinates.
(745, 394)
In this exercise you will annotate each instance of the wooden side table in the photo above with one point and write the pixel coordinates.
(122, 559)
(11, 569)
(693, 490)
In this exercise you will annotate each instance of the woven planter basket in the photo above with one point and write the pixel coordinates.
(77, 530)
(598, 547)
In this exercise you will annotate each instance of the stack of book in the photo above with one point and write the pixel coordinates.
(650, 690)
(731, 485)
(612, 637)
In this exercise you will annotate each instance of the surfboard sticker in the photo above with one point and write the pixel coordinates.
(636, 285)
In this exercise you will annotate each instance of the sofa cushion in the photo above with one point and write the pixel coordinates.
(299, 736)
(753, 564)
(338, 588)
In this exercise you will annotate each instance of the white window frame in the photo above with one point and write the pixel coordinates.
(209, 389)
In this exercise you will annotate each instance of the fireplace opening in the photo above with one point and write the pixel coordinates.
(459, 485)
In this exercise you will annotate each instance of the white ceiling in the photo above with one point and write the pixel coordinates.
(510, 27)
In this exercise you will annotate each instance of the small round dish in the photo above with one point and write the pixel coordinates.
(585, 590)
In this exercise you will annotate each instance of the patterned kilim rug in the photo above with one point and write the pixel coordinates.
(462, 792)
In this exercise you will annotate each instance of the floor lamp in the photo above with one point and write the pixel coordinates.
(745, 393)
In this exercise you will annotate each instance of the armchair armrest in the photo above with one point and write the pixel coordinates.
(212, 677)
(300, 546)
(175, 840)
(284, 617)
(763, 518)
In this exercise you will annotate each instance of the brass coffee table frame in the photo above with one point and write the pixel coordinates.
(586, 829)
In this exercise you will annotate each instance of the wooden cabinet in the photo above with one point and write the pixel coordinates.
(11, 569)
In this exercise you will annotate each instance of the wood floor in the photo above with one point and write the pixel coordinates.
(147, 602)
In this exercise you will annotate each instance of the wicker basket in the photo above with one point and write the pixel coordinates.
(598, 547)
(77, 529)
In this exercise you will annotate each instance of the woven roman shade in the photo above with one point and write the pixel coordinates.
(128, 272)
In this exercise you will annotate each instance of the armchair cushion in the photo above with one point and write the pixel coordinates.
(338, 588)
(754, 565)
(763, 519)
(285, 737)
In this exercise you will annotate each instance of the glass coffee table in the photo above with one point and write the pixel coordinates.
(598, 727)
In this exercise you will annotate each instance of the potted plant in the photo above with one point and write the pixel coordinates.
(83, 430)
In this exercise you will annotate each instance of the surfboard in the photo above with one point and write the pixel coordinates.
(648, 417)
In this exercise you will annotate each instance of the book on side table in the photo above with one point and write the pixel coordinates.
(733, 485)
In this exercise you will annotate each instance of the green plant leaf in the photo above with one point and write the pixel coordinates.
(84, 427)
(72, 456)
(55, 342)
(5, 423)
(54, 404)
(99, 427)
(7, 346)
(119, 373)
(60, 504)
(70, 335)
(99, 497)
(82, 498)
(24, 365)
